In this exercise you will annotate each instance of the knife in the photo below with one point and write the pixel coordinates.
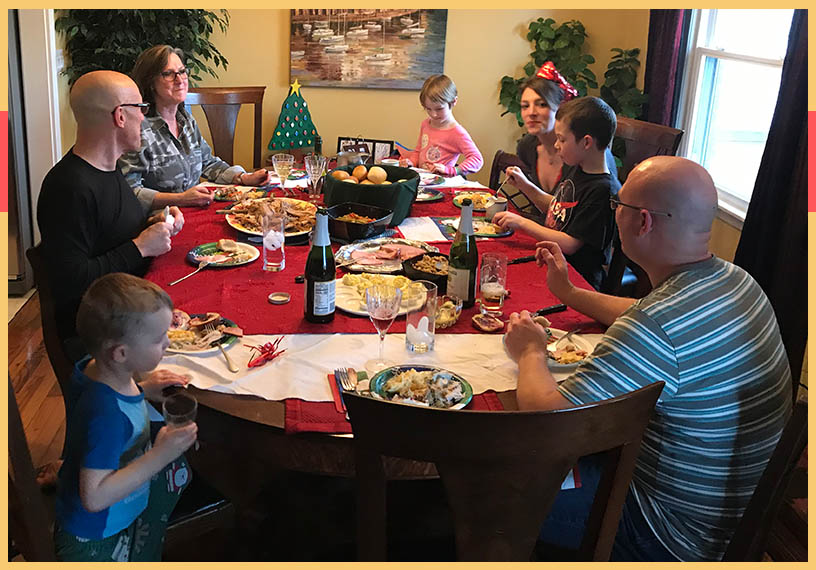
(524, 259)
(550, 309)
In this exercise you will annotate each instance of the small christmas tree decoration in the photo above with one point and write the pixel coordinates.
(295, 128)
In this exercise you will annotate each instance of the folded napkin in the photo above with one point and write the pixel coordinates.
(421, 229)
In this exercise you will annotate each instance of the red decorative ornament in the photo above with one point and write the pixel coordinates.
(266, 352)
(548, 71)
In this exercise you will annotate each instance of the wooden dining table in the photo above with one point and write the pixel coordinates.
(242, 437)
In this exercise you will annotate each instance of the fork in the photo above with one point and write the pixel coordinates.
(232, 368)
(347, 384)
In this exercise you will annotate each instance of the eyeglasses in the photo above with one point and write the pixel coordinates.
(614, 203)
(170, 75)
(143, 107)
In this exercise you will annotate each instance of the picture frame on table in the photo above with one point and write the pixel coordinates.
(377, 149)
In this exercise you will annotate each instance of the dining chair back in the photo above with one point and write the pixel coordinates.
(30, 522)
(750, 540)
(501, 470)
(221, 106)
(501, 160)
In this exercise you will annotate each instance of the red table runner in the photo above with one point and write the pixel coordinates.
(240, 293)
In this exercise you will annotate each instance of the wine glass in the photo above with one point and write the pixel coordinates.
(383, 304)
(315, 167)
(180, 409)
(283, 166)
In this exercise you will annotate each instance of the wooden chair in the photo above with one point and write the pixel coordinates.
(634, 142)
(221, 106)
(30, 523)
(501, 160)
(501, 470)
(751, 537)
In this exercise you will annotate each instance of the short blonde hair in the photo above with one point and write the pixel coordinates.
(438, 89)
(114, 308)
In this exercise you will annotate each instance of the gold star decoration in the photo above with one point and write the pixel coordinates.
(295, 87)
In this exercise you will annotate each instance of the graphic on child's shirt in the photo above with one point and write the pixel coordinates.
(560, 210)
(434, 154)
(425, 140)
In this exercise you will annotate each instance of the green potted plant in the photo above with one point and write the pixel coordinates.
(113, 39)
(619, 89)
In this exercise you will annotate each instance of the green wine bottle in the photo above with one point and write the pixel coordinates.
(463, 259)
(320, 274)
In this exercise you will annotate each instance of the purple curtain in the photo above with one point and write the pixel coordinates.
(773, 244)
(665, 58)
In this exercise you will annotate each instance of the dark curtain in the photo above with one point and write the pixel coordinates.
(773, 245)
(665, 60)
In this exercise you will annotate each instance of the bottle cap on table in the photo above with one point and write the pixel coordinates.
(279, 298)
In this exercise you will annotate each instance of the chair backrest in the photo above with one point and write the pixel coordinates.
(501, 470)
(501, 160)
(750, 540)
(60, 361)
(221, 106)
(29, 519)
(643, 139)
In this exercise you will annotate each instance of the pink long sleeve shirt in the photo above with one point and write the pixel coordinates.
(444, 146)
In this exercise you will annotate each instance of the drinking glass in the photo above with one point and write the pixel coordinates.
(180, 409)
(493, 283)
(421, 317)
(383, 304)
(273, 228)
(283, 166)
(315, 168)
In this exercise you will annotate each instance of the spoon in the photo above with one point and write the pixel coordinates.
(201, 266)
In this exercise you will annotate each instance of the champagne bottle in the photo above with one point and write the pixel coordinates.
(463, 259)
(318, 147)
(320, 274)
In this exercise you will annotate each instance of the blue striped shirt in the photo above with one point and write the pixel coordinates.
(710, 333)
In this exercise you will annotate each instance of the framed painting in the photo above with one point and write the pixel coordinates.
(371, 49)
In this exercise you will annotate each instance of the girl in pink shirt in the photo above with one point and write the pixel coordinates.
(441, 138)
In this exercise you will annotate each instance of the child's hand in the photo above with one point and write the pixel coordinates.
(436, 168)
(508, 220)
(154, 382)
(172, 441)
(515, 176)
(405, 162)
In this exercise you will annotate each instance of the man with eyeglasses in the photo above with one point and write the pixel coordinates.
(91, 222)
(709, 332)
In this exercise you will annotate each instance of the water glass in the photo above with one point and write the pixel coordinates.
(273, 227)
(179, 409)
(493, 283)
(315, 169)
(498, 204)
(421, 317)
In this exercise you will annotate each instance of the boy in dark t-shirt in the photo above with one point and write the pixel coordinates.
(579, 218)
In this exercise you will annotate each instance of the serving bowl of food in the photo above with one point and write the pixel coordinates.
(448, 310)
(429, 266)
(350, 221)
(421, 385)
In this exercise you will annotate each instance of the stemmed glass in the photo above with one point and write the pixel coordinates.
(383, 304)
(180, 409)
(315, 168)
(283, 166)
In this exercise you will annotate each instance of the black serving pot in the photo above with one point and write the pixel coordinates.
(411, 272)
(397, 196)
(349, 231)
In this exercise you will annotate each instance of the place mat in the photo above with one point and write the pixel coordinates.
(302, 416)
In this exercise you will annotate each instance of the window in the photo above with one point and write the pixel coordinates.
(730, 89)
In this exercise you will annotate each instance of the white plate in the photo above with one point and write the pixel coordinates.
(576, 339)
(226, 343)
(347, 299)
(240, 228)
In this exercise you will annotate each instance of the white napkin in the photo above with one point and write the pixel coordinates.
(421, 229)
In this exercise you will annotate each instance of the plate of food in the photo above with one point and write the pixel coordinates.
(481, 200)
(420, 385)
(568, 355)
(223, 253)
(380, 255)
(195, 333)
(481, 227)
(350, 291)
(246, 216)
(429, 195)
(237, 193)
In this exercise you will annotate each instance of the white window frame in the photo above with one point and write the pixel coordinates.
(732, 209)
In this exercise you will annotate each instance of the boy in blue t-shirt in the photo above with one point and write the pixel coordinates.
(579, 217)
(115, 490)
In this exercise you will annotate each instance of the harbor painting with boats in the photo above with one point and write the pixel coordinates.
(374, 49)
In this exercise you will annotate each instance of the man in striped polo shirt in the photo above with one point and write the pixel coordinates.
(709, 332)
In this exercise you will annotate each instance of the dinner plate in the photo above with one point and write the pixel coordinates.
(347, 299)
(450, 225)
(239, 194)
(226, 339)
(429, 195)
(457, 200)
(430, 179)
(377, 384)
(239, 206)
(576, 339)
(343, 255)
(194, 255)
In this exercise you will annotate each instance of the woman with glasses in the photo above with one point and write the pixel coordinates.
(167, 169)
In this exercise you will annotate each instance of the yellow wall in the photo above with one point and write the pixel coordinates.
(724, 240)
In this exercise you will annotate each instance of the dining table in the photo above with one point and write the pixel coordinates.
(244, 435)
